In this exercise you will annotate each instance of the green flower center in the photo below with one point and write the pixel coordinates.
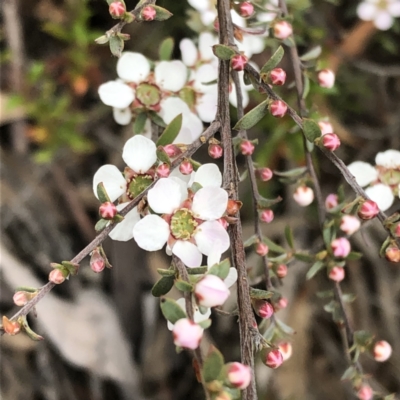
(138, 184)
(148, 94)
(188, 95)
(183, 224)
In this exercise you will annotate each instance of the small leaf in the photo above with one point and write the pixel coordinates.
(311, 54)
(72, 268)
(289, 236)
(250, 241)
(183, 286)
(284, 328)
(253, 116)
(139, 124)
(157, 119)
(353, 255)
(197, 271)
(273, 246)
(171, 131)
(161, 13)
(259, 294)
(305, 257)
(102, 39)
(116, 46)
(213, 364)
(311, 129)
(314, 269)
(349, 297)
(221, 270)
(166, 48)
(162, 286)
(166, 272)
(262, 202)
(326, 294)
(33, 335)
(102, 194)
(349, 374)
(163, 156)
(273, 61)
(363, 338)
(306, 86)
(101, 224)
(384, 246)
(223, 52)
(292, 173)
(172, 310)
(205, 324)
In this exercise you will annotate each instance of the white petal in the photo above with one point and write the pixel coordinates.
(122, 116)
(204, 74)
(188, 253)
(394, 8)
(171, 75)
(177, 174)
(388, 159)
(233, 100)
(184, 136)
(208, 17)
(383, 20)
(124, 230)
(206, 106)
(199, 5)
(182, 187)
(151, 233)
(113, 180)
(192, 122)
(208, 233)
(381, 195)
(266, 16)
(231, 278)
(214, 256)
(363, 172)
(188, 52)
(209, 203)
(165, 196)
(116, 94)
(366, 11)
(251, 45)
(238, 20)
(133, 67)
(208, 175)
(139, 153)
(199, 317)
(171, 107)
(206, 41)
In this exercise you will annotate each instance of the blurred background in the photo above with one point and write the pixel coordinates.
(104, 335)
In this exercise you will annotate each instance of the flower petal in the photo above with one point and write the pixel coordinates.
(208, 233)
(206, 106)
(188, 253)
(165, 196)
(116, 94)
(122, 116)
(363, 172)
(366, 11)
(192, 122)
(208, 175)
(199, 5)
(209, 203)
(394, 8)
(205, 73)
(139, 153)
(171, 75)
(233, 99)
(388, 159)
(231, 278)
(383, 20)
(113, 180)
(188, 52)
(133, 67)
(171, 107)
(206, 41)
(151, 233)
(381, 195)
(124, 230)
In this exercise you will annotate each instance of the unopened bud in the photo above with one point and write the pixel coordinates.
(326, 127)
(186, 167)
(163, 170)
(263, 308)
(277, 76)
(97, 262)
(326, 78)
(117, 9)
(341, 247)
(11, 327)
(148, 13)
(108, 210)
(382, 351)
(392, 254)
(336, 274)
(331, 141)
(172, 150)
(215, 151)
(267, 216)
(286, 350)
(397, 230)
(272, 358)
(238, 375)
(211, 291)
(365, 393)
(262, 249)
(20, 298)
(281, 304)
(303, 196)
(57, 276)
(281, 271)
(368, 210)
(246, 148)
(265, 174)
(331, 201)
(349, 224)
(282, 30)
(187, 334)
(246, 9)
(238, 62)
(278, 108)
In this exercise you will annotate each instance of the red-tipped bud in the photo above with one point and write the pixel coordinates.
(349, 224)
(303, 196)
(281, 271)
(365, 393)
(117, 9)
(331, 201)
(215, 151)
(108, 210)
(286, 350)
(20, 298)
(331, 141)
(272, 358)
(172, 150)
(211, 291)
(233, 207)
(326, 127)
(281, 304)
(97, 262)
(267, 216)
(326, 78)
(148, 13)
(187, 334)
(282, 30)
(246, 9)
(163, 170)
(57, 276)
(186, 167)
(246, 148)
(277, 76)
(238, 375)
(341, 247)
(382, 351)
(368, 210)
(262, 249)
(336, 274)
(397, 230)
(278, 108)
(263, 308)
(392, 254)
(11, 327)
(265, 174)
(238, 62)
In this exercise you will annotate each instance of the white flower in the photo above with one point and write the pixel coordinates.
(381, 12)
(381, 194)
(388, 159)
(363, 172)
(197, 315)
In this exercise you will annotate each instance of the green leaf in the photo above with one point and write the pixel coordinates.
(272, 62)
(385, 245)
(157, 119)
(311, 129)
(311, 54)
(205, 324)
(197, 271)
(183, 286)
(102, 194)
(223, 52)
(221, 270)
(262, 202)
(139, 124)
(253, 116)
(314, 269)
(273, 246)
(116, 46)
(171, 131)
(163, 156)
(353, 255)
(71, 267)
(349, 297)
(306, 88)
(259, 294)
(349, 374)
(363, 338)
(166, 48)
(327, 235)
(250, 241)
(292, 173)
(161, 13)
(166, 272)
(213, 364)
(326, 294)
(305, 257)
(284, 328)
(162, 286)
(101, 224)
(172, 310)
(32, 335)
(289, 236)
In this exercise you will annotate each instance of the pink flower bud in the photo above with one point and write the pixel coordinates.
(56, 276)
(392, 254)
(108, 210)
(365, 393)
(163, 170)
(286, 350)
(278, 108)
(281, 271)
(326, 78)
(397, 230)
(281, 304)
(246, 148)
(186, 167)
(263, 308)
(11, 327)
(239, 375)
(382, 351)
(267, 216)
(303, 196)
(172, 150)
(246, 9)
(331, 141)
(97, 262)
(282, 30)
(341, 247)
(211, 291)
(262, 249)
(148, 13)
(117, 9)
(215, 151)
(326, 127)
(336, 274)
(187, 334)
(331, 201)
(277, 76)
(265, 174)
(238, 62)
(368, 210)
(349, 224)
(272, 358)
(20, 298)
